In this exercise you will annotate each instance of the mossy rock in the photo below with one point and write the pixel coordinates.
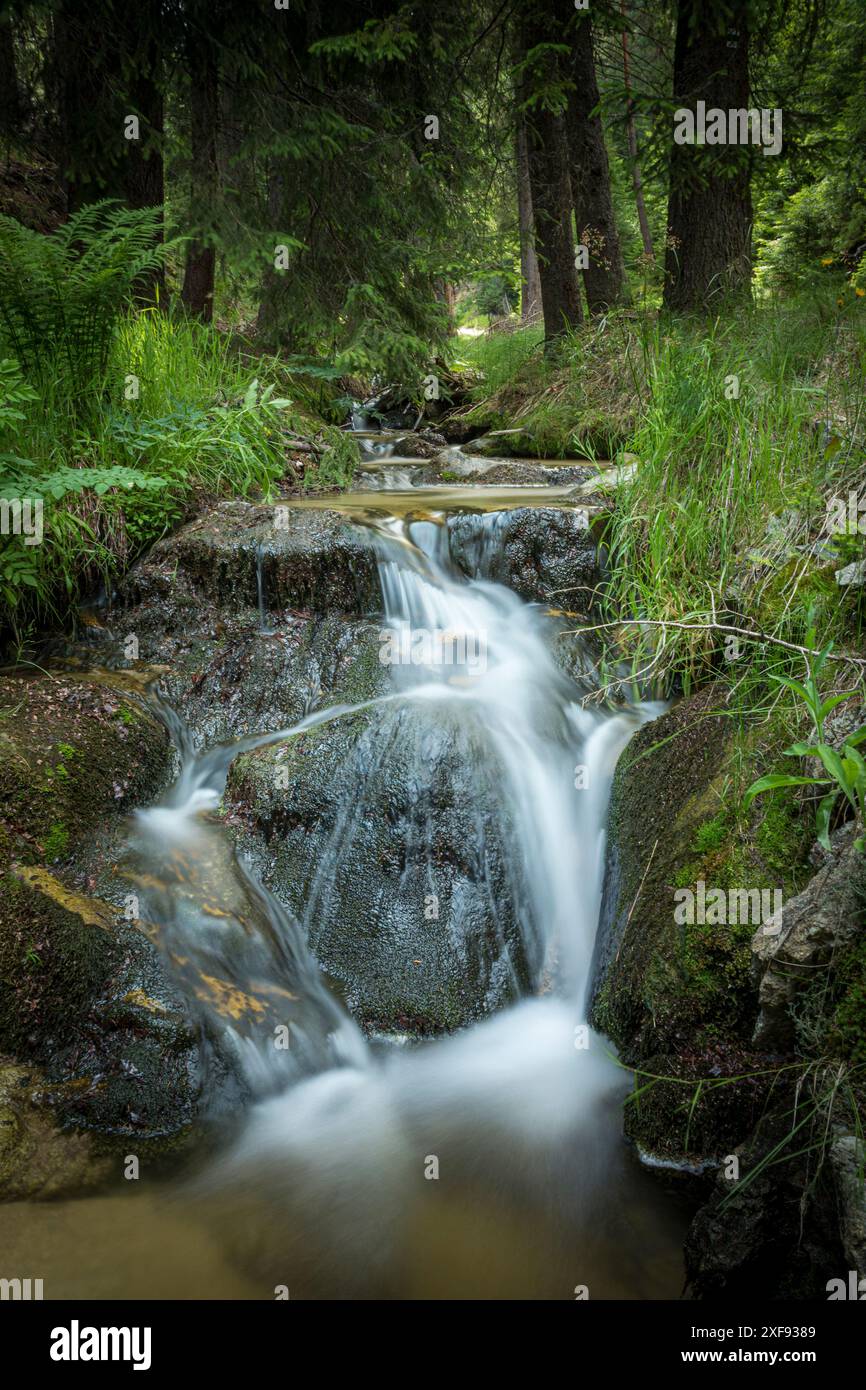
(756, 1238)
(83, 994)
(82, 991)
(660, 987)
(700, 1107)
(73, 751)
(307, 559)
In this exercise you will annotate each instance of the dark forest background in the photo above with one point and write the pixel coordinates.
(222, 223)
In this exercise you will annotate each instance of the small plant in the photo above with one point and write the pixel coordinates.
(845, 767)
(62, 296)
(337, 461)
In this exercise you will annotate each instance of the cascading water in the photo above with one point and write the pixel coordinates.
(483, 1164)
(391, 1171)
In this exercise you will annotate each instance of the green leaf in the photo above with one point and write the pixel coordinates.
(822, 818)
(777, 779)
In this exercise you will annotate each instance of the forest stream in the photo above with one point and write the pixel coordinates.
(484, 1162)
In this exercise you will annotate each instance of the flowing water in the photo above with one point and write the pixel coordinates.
(485, 1164)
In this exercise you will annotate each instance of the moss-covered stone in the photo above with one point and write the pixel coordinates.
(696, 1106)
(306, 559)
(675, 821)
(70, 748)
(73, 971)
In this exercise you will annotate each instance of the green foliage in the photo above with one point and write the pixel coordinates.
(725, 517)
(205, 424)
(337, 461)
(62, 296)
(845, 768)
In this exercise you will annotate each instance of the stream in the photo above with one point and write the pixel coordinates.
(488, 1163)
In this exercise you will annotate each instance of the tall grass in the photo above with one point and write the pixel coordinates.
(744, 428)
(176, 416)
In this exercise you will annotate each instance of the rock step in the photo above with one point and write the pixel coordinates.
(319, 555)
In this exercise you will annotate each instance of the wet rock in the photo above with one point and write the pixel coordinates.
(812, 929)
(75, 747)
(456, 464)
(387, 836)
(756, 1237)
(499, 443)
(847, 1166)
(85, 996)
(81, 989)
(651, 983)
(690, 1114)
(38, 1160)
(514, 472)
(307, 559)
(541, 553)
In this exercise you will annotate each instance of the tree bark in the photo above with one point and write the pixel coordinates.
(198, 280)
(604, 277)
(631, 136)
(530, 281)
(10, 99)
(549, 181)
(110, 60)
(709, 206)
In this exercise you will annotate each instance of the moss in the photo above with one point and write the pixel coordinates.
(677, 819)
(712, 834)
(67, 757)
(835, 1007)
(56, 841)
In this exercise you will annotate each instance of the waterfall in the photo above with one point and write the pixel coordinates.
(352, 1155)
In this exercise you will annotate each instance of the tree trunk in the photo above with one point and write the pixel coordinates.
(198, 280)
(91, 120)
(604, 277)
(631, 135)
(709, 205)
(10, 103)
(549, 182)
(530, 281)
(268, 320)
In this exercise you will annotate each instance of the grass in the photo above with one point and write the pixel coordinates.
(179, 416)
(746, 432)
(745, 428)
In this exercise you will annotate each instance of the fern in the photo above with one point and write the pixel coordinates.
(62, 296)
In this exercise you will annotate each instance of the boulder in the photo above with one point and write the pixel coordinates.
(309, 559)
(82, 991)
(813, 928)
(38, 1160)
(542, 553)
(385, 833)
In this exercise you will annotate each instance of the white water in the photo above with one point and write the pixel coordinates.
(329, 1185)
